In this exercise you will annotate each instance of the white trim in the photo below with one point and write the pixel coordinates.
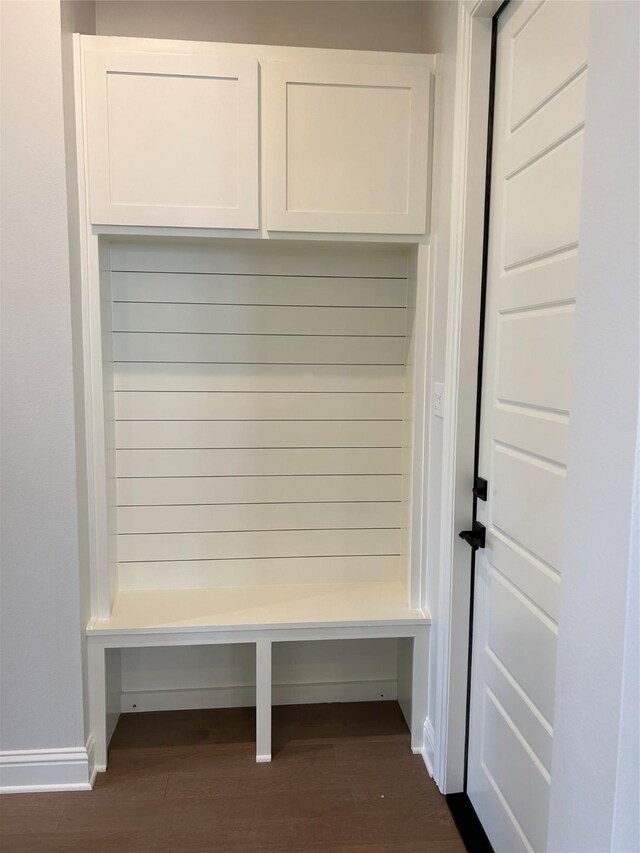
(428, 752)
(243, 696)
(466, 226)
(100, 592)
(25, 771)
(263, 52)
(482, 8)
(91, 754)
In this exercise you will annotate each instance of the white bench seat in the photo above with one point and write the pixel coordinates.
(170, 611)
(259, 615)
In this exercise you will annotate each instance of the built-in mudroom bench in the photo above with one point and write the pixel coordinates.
(255, 344)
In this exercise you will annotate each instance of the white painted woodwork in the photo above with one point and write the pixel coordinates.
(97, 693)
(274, 606)
(258, 396)
(294, 349)
(347, 147)
(263, 700)
(190, 490)
(463, 33)
(217, 675)
(303, 260)
(264, 435)
(294, 289)
(172, 139)
(252, 434)
(280, 516)
(260, 320)
(269, 406)
(253, 544)
(259, 501)
(205, 574)
(280, 618)
(534, 217)
(547, 53)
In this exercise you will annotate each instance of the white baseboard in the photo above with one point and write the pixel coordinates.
(428, 751)
(244, 696)
(24, 771)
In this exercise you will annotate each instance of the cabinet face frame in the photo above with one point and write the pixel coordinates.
(416, 80)
(103, 210)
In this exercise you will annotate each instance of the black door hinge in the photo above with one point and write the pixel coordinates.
(477, 537)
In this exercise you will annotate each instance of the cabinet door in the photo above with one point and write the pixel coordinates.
(347, 147)
(172, 139)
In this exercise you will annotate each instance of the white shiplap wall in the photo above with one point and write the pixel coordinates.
(258, 412)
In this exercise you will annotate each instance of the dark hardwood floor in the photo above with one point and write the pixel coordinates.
(342, 780)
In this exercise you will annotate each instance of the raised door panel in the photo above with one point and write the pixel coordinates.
(347, 148)
(172, 140)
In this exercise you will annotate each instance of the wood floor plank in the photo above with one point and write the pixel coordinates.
(384, 750)
(274, 778)
(31, 813)
(215, 813)
(428, 846)
(175, 841)
(343, 780)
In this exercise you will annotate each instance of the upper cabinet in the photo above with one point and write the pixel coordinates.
(347, 147)
(172, 139)
(220, 136)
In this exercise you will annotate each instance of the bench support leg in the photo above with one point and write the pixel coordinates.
(419, 690)
(97, 703)
(263, 700)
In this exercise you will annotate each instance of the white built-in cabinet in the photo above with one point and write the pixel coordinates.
(254, 401)
(173, 140)
(347, 147)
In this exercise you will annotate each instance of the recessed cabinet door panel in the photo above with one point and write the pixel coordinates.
(172, 140)
(347, 148)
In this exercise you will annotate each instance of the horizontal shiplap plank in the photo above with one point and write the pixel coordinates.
(131, 376)
(258, 289)
(257, 349)
(257, 319)
(261, 462)
(261, 258)
(170, 405)
(174, 491)
(191, 574)
(202, 434)
(257, 544)
(285, 516)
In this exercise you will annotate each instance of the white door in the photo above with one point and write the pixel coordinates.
(533, 249)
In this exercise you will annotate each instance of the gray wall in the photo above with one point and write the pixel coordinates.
(40, 624)
(360, 25)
